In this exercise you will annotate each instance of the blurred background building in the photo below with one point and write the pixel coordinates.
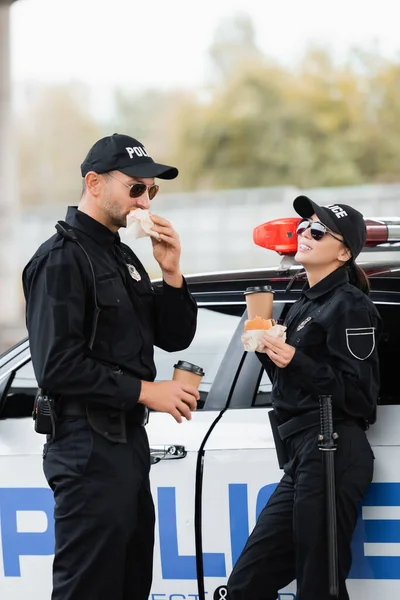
(216, 227)
(251, 105)
(10, 305)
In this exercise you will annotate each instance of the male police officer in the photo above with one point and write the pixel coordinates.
(98, 461)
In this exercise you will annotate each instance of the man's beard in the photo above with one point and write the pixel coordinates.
(114, 213)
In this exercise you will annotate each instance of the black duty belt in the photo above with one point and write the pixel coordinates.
(77, 409)
(297, 424)
(308, 420)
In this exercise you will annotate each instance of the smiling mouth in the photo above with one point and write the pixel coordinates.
(304, 247)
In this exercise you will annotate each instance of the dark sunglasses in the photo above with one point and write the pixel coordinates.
(138, 189)
(317, 230)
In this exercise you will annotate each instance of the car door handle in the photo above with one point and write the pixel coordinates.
(158, 453)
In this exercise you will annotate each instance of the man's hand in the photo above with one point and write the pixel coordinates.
(279, 352)
(177, 399)
(167, 250)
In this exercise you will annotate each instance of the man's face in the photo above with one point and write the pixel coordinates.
(116, 201)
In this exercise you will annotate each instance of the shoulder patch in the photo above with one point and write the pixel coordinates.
(361, 342)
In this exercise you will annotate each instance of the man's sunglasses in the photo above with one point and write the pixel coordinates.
(317, 230)
(138, 189)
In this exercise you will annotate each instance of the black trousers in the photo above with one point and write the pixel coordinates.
(289, 539)
(104, 513)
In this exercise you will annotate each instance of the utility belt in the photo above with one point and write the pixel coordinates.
(298, 424)
(281, 432)
(48, 410)
(68, 407)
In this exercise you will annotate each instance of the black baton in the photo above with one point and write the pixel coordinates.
(327, 443)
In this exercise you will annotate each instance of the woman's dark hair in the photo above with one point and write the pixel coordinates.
(358, 277)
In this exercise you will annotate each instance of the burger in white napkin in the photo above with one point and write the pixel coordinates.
(256, 328)
(140, 224)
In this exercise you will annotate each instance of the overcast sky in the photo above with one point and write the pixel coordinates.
(164, 43)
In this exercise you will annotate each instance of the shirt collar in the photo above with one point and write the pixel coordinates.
(98, 232)
(328, 284)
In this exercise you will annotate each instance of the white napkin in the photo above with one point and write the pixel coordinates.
(140, 224)
(252, 339)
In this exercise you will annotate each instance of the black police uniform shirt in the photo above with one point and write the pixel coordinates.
(58, 287)
(334, 328)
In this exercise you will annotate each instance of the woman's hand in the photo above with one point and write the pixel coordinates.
(278, 351)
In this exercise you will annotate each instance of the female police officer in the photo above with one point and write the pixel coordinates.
(330, 350)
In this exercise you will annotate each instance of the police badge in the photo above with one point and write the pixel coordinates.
(303, 323)
(133, 272)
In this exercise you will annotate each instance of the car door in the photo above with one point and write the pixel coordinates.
(26, 502)
(176, 448)
(241, 472)
(240, 468)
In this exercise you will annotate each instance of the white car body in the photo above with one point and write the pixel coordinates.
(211, 475)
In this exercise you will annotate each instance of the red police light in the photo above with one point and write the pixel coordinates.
(279, 235)
(379, 232)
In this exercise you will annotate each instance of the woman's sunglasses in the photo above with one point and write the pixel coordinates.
(317, 230)
(138, 189)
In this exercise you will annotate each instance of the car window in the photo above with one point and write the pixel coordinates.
(253, 386)
(215, 328)
(24, 378)
(389, 352)
(18, 400)
(263, 394)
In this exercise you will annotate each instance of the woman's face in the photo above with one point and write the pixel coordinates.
(326, 252)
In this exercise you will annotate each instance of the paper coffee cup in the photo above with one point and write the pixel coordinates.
(186, 372)
(259, 301)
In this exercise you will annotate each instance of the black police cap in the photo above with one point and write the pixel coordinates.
(123, 153)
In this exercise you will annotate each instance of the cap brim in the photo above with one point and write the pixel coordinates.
(306, 208)
(151, 169)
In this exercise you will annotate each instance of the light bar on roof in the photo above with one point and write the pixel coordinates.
(381, 231)
(280, 235)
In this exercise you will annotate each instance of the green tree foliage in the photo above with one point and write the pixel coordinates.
(257, 123)
(264, 125)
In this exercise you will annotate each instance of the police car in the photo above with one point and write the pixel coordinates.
(212, 476)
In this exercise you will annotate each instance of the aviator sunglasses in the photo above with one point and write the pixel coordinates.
(317, 230)
(138, 189)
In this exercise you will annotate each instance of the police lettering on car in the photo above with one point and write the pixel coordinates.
(331, 349)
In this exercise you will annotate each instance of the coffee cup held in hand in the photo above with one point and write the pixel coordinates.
(186, 372)
(259, 301)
